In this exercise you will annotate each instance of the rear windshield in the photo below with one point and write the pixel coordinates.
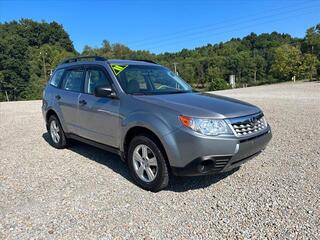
(144, 79)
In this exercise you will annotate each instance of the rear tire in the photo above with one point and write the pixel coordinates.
(56, 133)
(147, 164)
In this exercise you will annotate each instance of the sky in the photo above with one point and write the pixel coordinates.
(166, 26)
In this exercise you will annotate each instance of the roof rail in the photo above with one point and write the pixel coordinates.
(76, 59)
(145, 60)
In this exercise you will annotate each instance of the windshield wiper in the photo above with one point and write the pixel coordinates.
(176, 92)
(138, 93)
(142, 93)
(159, 93)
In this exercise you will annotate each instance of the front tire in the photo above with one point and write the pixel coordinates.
(56, 133)
(147, 163)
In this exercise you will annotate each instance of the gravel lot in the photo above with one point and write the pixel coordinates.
(86, 193)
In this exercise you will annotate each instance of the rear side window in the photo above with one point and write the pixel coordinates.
(73, 80)
(56, 78)
(94, 78)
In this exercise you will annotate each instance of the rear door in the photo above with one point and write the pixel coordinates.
(68, 100)
(98, 117)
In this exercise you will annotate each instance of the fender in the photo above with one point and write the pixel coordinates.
(153, 122)
(59, 115)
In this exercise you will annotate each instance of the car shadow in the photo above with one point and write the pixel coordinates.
(98, 155)
(113, 161)
(183, 184)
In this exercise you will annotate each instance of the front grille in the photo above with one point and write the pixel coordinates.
(245, 126)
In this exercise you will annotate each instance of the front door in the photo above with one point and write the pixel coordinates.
(98, 117)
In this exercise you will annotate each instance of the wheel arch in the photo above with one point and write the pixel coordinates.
(142, 130)
(49, 113)
(52, 112)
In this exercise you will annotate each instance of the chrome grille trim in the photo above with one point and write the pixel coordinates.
(247, 125)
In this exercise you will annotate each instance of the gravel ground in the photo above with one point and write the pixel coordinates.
(86, 193)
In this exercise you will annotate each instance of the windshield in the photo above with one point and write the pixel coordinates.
(142, 79)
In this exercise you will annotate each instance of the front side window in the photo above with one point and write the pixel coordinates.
(56, 78)
(144, 79)
(73, 80)
(94, 78)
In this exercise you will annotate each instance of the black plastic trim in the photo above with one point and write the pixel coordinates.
(96, 144)
(144, 60)
(194, 167)
(75, 59)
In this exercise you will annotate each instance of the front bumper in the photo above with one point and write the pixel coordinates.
(243, 150)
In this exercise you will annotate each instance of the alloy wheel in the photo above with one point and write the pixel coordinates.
(54, 131)
(145, 163)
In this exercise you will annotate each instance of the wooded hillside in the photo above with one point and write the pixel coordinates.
(30, 50)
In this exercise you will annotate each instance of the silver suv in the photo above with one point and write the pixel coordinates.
(151, 118)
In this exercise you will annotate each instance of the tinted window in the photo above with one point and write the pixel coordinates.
(73, 80)
(136, 75)
(146, 79)
(94, 78)
(55, 80)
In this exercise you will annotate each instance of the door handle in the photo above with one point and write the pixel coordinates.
(82, 102)
(58, 97)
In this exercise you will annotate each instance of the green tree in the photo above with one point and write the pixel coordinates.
(218, 84)
(308, 68)
(187, 72)
(42, 62)
(312, 40)
(14, 67)
(242, 65)
(259, 65)
(287, 61)
(20, 44)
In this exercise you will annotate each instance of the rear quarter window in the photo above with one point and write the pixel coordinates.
(56, 78)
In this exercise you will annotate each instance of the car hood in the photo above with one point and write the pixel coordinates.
(202, 105)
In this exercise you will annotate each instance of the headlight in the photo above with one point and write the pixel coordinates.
(206, 126)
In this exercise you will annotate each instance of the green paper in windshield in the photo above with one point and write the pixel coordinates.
(117, 69)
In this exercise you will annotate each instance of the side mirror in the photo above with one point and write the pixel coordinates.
(102, 91)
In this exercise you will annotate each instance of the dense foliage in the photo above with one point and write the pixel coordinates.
(30, 50)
